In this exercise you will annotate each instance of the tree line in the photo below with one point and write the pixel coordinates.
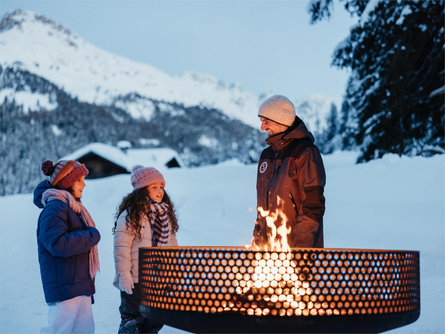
(394, 98)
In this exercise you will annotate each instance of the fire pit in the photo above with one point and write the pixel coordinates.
(228, 289)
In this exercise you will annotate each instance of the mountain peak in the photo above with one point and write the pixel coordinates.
(51, 51)
(93, 75)
(14, 19)
(19, 17)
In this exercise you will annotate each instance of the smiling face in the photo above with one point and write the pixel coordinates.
(156, 191)
(271, 127)
(77, 187)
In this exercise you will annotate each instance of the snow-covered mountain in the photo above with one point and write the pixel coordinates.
(59, 93)
(45, 48)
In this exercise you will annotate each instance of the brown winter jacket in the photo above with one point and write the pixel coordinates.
(291, 178)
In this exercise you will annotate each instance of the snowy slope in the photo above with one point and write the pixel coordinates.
(391, 203)
(97, 76)
(41, 46)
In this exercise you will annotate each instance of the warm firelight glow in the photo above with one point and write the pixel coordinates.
(302, 282)
(278, 231)
(277, 238)
(276, 278)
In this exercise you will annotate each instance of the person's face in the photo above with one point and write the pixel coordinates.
(78, 187)
(156, 191)
(271, 127)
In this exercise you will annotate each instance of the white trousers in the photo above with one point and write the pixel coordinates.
(74, 315)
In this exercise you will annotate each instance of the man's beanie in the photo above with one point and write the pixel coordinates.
(143, 176)
(279, 109)
(64, 173)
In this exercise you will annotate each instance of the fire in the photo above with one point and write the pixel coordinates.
(277, 238)
(275, 276)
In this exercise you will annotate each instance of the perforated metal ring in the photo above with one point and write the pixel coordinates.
(302, 283)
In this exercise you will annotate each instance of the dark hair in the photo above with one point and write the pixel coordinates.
(137, 203)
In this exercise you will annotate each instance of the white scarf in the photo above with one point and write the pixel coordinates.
(64, 196)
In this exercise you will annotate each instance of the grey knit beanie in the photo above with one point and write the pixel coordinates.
(279, 109)
(143, 176)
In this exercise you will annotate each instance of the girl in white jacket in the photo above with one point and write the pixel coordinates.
(145, 218)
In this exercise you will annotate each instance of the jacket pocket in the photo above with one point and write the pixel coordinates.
(66, 269)
(303, 233)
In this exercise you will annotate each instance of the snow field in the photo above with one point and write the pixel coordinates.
(391, 203)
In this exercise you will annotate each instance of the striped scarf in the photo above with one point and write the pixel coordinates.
(160, 224)
(64, 196)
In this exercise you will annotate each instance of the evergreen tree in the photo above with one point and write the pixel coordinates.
(330, 138)
(396, 89)
(29, 137)
(346, 127)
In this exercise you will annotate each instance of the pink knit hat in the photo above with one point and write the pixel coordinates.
(64, 173)
(143, 176)
(279, 109)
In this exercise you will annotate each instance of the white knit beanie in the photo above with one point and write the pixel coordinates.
(143, 176)
(279, 109)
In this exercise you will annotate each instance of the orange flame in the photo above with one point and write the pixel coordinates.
(276, 274)
(277, 235)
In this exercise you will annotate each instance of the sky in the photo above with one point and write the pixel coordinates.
(264, 46)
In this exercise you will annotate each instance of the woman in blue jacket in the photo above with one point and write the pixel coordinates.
(67, 245)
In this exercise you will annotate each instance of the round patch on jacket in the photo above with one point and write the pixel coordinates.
(263, 167)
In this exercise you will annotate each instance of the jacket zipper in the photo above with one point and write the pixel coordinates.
(271, 180)
(293, 203)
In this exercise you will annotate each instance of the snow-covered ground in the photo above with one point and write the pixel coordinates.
(392, 203)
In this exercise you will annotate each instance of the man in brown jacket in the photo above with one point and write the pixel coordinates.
(290, 179)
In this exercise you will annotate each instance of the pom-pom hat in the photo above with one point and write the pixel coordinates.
(64, 173)
(279, 109)
(144, 176)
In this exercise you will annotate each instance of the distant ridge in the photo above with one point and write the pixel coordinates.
(59, 93)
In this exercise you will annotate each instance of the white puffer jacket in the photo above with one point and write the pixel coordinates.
(127, 244)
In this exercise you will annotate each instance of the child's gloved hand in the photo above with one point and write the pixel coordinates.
(126, 283)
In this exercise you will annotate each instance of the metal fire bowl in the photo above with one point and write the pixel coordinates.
(310, 290)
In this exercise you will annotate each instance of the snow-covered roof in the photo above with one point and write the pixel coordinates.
(148, 157)
(154, 157)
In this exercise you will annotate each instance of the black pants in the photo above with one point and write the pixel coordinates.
(132, 320)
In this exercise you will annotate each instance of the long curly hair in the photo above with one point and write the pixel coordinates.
(137, 204)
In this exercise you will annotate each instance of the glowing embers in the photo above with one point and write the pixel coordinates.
(277, 286)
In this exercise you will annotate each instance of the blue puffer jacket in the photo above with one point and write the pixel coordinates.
(64, 242)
